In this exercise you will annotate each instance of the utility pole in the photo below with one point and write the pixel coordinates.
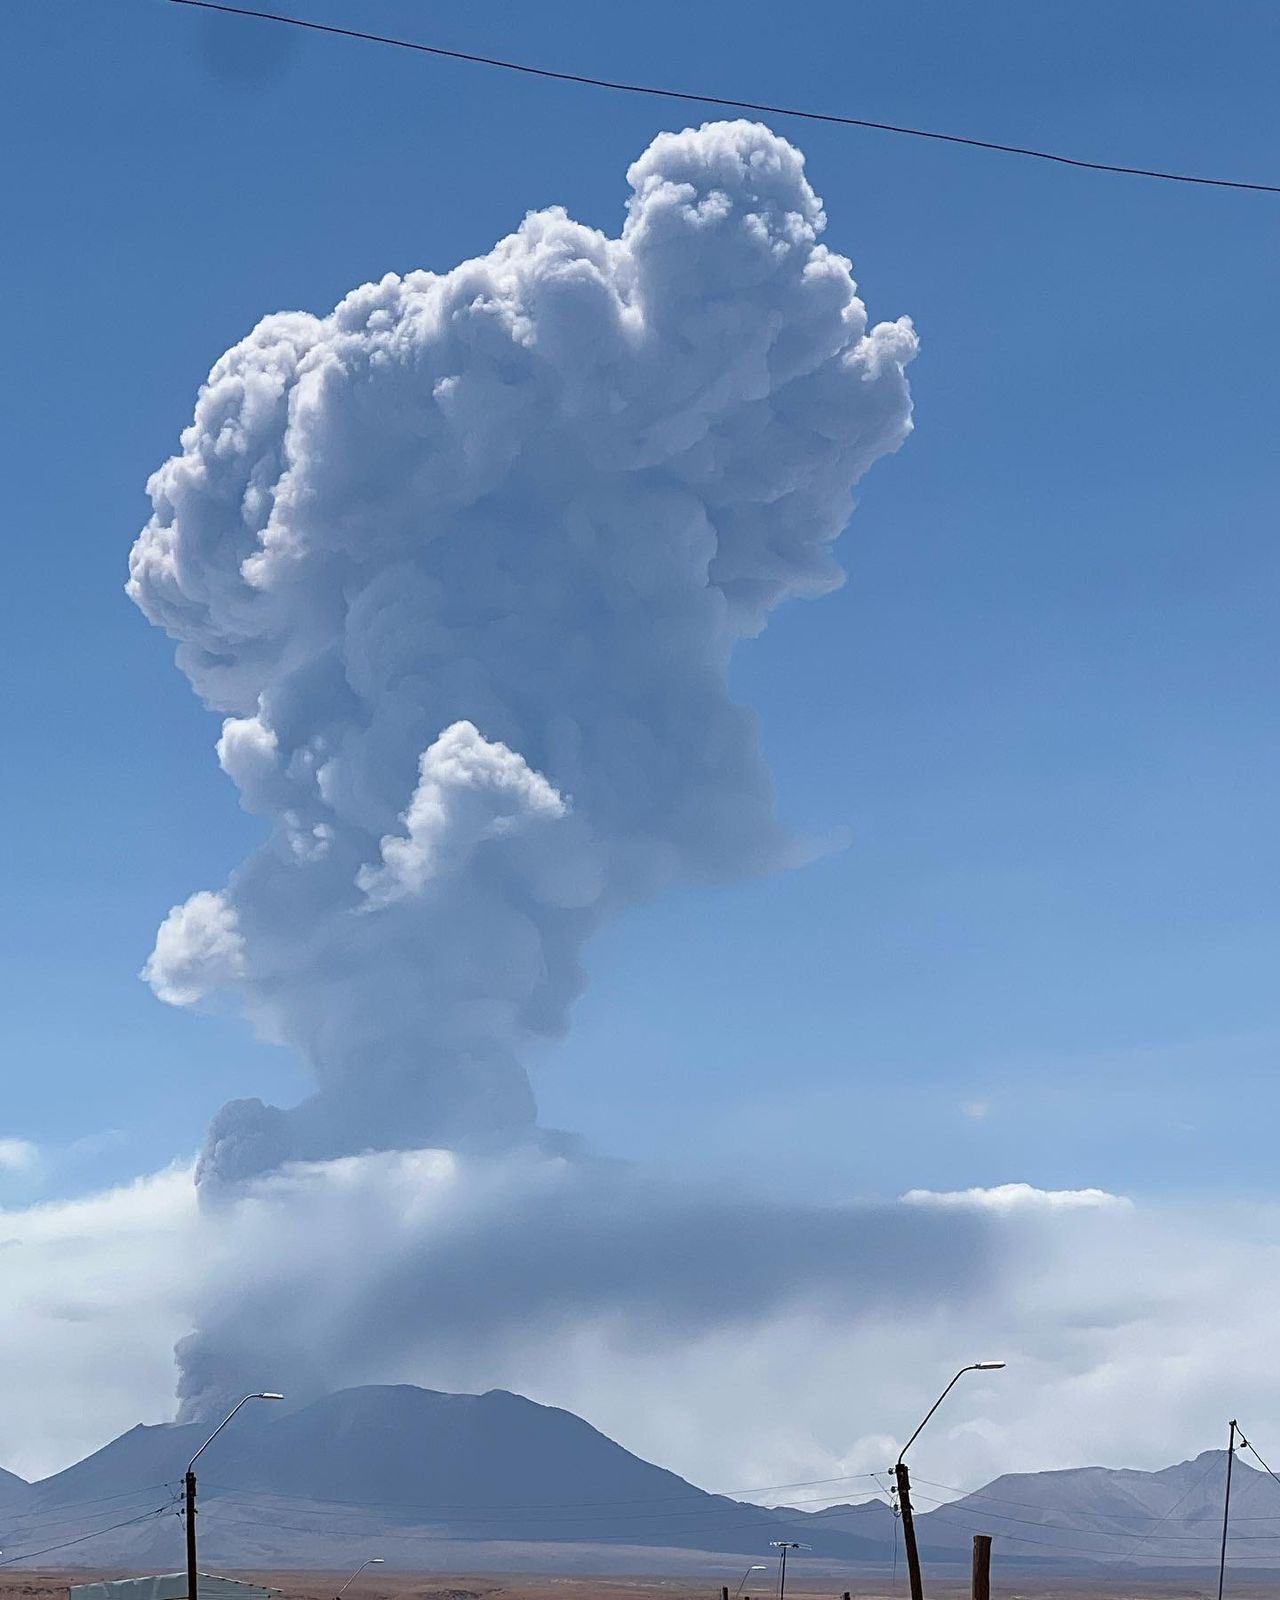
(1226, 1506)
(904, 1483)
(189, 1490)
(189, 1497)
(909, 1530)
(782, 1546)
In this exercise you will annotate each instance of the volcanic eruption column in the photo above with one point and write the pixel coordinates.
(463, 564)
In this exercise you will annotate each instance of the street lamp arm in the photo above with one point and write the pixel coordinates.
(373, 1561)
(225, 1420)
(930, 1412)
(974, 1366)
(215, 1433)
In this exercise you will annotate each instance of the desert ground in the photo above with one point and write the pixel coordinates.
(506, 1586)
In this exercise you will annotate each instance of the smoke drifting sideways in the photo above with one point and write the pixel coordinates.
(523, 1271)
(463, 563)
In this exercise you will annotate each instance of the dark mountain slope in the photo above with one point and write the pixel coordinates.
(379, 1462)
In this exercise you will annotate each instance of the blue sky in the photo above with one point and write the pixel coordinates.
(1042, 705)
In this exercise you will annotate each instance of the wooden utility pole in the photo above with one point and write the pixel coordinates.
(189, 1498)
(1226, 1507)
(909, 1529)
(981, 1586)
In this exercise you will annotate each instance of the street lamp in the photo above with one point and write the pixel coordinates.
(373, 1561)
(782, 1546)
(758, 1566)
(189, 1485)
(904, 1483)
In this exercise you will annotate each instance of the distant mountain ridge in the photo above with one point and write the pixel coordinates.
(489, 1482)
(13, 1489)
(1172, 1516)
(414, 1472)
(1113, 1515)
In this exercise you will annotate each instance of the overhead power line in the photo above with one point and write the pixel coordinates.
(1212, 1517)
(1254, 1452)
(572, 1505)
(320, 1526)
(20, 1525)
(562, 1513)
(129, 1522)
(1131, 1553)
(727, 102)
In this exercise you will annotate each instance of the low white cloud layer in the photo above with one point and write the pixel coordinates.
(480, 1261)
(95, 1289)
(1008, 1197)
(745, 1344)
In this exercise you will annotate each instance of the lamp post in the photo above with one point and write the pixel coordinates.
(782, 1546)
(904, 1482)
(758, 1566)
(189, 1486)
(373, 1561)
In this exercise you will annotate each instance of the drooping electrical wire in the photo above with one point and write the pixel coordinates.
(1253, 1452)
(129, 1522)
(729, 102)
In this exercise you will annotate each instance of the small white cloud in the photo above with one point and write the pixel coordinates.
(976, 1110)
(1006, 1197)
(18, 1155)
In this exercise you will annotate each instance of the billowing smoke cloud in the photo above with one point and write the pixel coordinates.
(401, 1264)
(464, 563)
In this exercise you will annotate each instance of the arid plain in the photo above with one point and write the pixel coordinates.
(506, 1586)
